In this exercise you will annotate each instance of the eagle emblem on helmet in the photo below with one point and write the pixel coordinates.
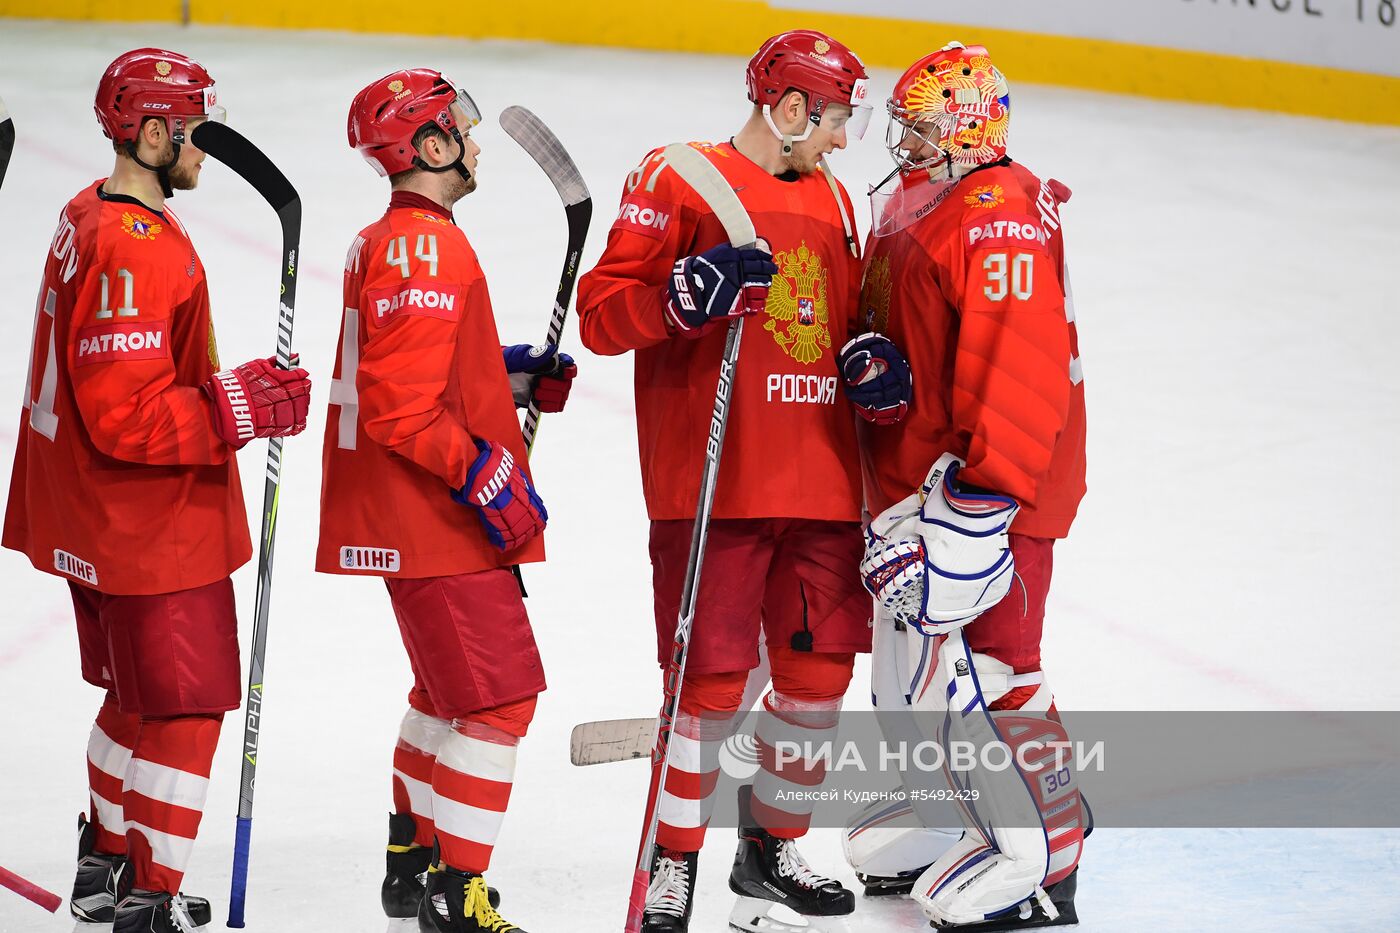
(162, 68)
(797, 305)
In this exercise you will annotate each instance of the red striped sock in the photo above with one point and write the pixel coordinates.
(108, 753)
(471, 787)
(415, 757)
(790, 736)
(163, 797)
(688, 799)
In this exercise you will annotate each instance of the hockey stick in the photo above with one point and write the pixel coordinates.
(7, 139)
(232, 149)
(605, 741)
(26, 889)
(544, 147)
(697, 172)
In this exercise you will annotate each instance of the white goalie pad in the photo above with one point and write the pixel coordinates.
(1024, 818)
(884, 841)
(941, 557)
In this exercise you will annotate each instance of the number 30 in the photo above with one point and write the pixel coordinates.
(1021, 278)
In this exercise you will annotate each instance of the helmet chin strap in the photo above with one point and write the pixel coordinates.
(787, 139)
(163, 173)
(456, 163)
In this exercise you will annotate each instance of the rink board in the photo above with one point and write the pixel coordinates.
(1330, 58)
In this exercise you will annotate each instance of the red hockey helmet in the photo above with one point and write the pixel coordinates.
(386, 114)
(154, 83)
(815, 64)
(955, 99)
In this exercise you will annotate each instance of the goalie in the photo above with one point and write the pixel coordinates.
(965, 273)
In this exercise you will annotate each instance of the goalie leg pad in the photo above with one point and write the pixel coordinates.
(1025, 827)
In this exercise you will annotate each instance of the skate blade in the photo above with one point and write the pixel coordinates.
(755, 915)
(84, 926)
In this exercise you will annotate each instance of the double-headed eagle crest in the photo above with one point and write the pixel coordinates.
(797, 305)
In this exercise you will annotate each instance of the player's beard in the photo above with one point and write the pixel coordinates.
(458, 187)
(184, 176)
(804, 159)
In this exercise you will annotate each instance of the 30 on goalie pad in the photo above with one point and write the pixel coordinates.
(1025, 820)
(941, 557)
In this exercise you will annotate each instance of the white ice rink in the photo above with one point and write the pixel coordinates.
(1236, 280)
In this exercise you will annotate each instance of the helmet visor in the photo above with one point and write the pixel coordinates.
(854, 123)
(464, 100)
(212, 111)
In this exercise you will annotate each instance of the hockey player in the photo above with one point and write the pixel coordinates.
(125, 485)
(965, 272)
(785, 541)
(425, 484)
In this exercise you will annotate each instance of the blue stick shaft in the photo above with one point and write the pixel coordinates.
(242, 839)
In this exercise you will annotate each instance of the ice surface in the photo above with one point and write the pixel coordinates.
(1235, 275)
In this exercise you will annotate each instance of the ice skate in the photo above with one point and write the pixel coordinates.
(767, 871)
(406, 867)
(671, 893)
(459, 902)
(94, 897)
(159, 912)
(1031, 913)
(102, 880)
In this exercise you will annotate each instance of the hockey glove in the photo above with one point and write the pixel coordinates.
(259, 399)
(503, 497)
(541, 373)
(940, 563)
(877, 377)
(720, 284)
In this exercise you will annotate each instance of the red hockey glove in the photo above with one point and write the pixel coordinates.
(503, 497)
(552, 388)
(541, 373)
(258, 399)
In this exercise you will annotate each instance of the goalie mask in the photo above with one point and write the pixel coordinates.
(950, 113)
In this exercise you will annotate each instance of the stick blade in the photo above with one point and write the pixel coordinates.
(233, 149)
(699, 173)
(7, 139)
(607, 740)
(544, 147)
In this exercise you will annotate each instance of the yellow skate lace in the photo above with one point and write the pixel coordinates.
(477, 905)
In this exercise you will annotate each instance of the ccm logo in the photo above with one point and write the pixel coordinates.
(644, 215)
(106, 343)
(424, 300)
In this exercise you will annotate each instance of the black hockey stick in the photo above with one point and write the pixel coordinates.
(7, 139)
(700, 174)
(544, 147)
(232, 149)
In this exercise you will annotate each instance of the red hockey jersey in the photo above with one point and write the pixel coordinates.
(974, 293)
(790, 450)
(418, 375)
(120, 482)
